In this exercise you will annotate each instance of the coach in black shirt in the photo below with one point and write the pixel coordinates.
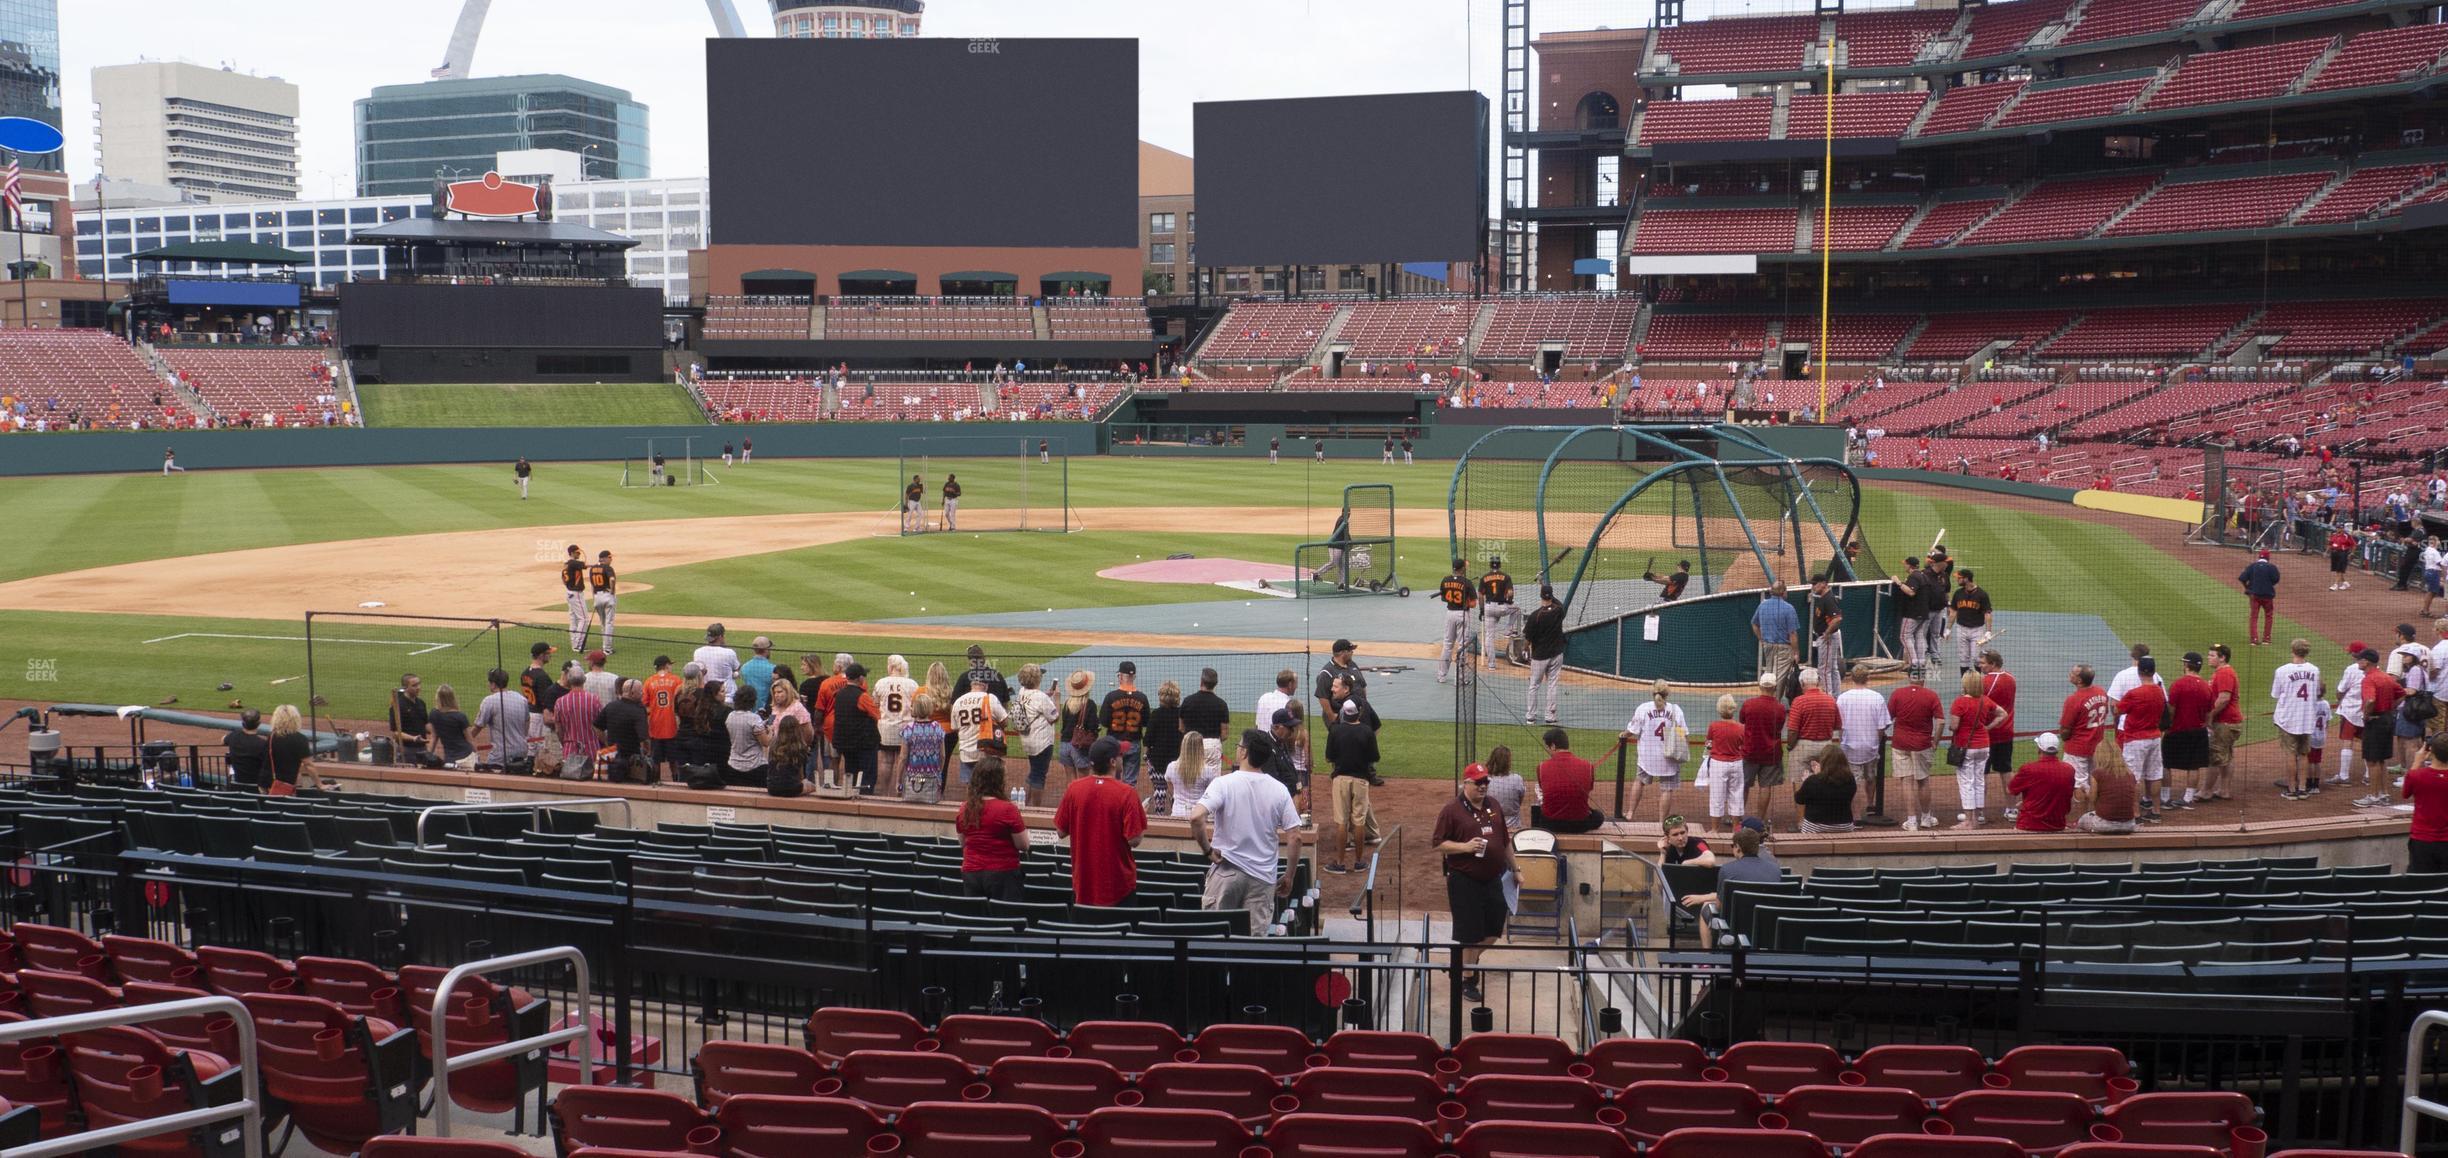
(248, 750)
(1203, 711)
(622, 724)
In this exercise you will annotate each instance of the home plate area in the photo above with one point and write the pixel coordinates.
(1239, 574)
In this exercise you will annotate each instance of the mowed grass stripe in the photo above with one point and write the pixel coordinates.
(511, 404)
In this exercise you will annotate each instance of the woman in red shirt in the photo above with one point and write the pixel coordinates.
(1721, 775)
(993, 834)
(1973, 716)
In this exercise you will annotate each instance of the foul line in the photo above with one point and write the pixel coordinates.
(420, 645)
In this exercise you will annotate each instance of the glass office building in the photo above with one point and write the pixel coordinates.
(30, 68)
(408, 132)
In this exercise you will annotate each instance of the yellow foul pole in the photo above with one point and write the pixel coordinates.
(1827, 216)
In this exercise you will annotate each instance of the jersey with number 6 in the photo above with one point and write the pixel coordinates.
(892, 696)
(2297, 689)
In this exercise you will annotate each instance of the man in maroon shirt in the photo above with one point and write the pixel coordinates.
(1810, 726)
(1104, 820)
(1564, 783)
(1916, 711)
(1470, 833)
(2187, 747)
(2426, 784)
(2138, 727)
(2046, 786)
(1763, 721)
(2085, 718)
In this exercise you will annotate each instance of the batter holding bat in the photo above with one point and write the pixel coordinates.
(1672, 585)
(573, 581)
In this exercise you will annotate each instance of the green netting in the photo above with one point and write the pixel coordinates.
(1357, 557)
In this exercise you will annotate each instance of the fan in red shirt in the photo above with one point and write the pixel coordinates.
(1810, 731)
(1916, 711)
(1763, 722)
(2082, 721)
(2046, 786)
(2138, 728)
(1722, 776)
(2187, 746)
(2226, 721)
(1998, 687)
(1104, 820)
(1972, 718)
(2427, 786)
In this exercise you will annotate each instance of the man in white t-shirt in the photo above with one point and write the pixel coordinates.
(1287, 686)
(2131, 677)
(1861, 719)
(1657, 733)
(976, 715)
(721, 664)
(2409, 661)
(1238, 822)
(2296, 690)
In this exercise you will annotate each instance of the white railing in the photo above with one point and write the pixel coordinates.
(530, 805)
(580, 1030)
(247, 1110)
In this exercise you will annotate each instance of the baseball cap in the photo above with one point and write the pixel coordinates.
(2369, 655)
(1283, 718)
(1351, 709)
(714, 631)
(2356, 648)
(603, 554)
(1341, 645)
(2265, 554)
(1104, 752)
(1546, 592)
(1754, 823)
(662, 661)
(1126, 667)
(597, 656)
(759, 643)
(1475, 772)
(2046, 742)
(540, 649)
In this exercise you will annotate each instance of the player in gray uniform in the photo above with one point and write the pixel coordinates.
(606, 583)
(573, 581)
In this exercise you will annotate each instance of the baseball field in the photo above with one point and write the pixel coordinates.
(137, 589)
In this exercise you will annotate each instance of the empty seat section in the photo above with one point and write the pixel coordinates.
(2144, 332)
(1408, 329)
(2383, 57)
(929, 319)
(2201, 206)
(1998, 29)
(1739, 44)
(1102, 320)
(734, 317)
(2366, 191)
(2130, 18)
(1589, 327)
(1858, 228)
(1852, 337)
(1968, 107)
(1888, 39)
(295, 383)
(2257, 9)
(88, 375)
(1858, 114)
(2061, 210)
(1685, 231)
(2240, 74)
(1706, 337)
(2312, 329)
(1947, 220)
(1739, 119)
(1267, 332)
(1955, 337)
(2073, 102)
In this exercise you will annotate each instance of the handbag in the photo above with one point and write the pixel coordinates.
(2418, 707)
(1955, 755)
(281, 788)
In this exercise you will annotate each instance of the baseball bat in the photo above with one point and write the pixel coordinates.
(1940, 538)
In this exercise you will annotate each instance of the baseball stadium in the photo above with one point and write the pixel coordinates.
(1791, 580)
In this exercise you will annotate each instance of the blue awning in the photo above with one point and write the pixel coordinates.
(1593, 267)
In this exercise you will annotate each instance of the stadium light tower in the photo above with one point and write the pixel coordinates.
(460, 55)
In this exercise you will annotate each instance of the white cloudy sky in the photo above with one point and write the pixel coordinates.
(1190, 50)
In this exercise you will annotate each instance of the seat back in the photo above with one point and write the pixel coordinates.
(34, 1073)
(1069, 1088)
(1704, 1142)
(50, 994)
(1529, 1098)
(730, 1069)
(1144, 1132)
(356, 986)
(1533, 1054)
(1243, 1091)
(1655, 1109)
(60, 950)
(335, 1070)
(1773, 1067)
(1541, 1140)
(483, 1014)
(977, 1130)
(891, 1079)
(1379, 1049)
(238, 972)
(1338, 1136)
(1382, 1093)
(407, 1146)
(768, 1126)
(623, 1118)
(125, 1074)
(1129, 1046)
(1935, 1072)
(2182, 1118)
(982, 1040)
(835, 1033)
(2032, 1119)
(1619, 1062)
(144, 959)
(211, 1033)
(1279, 1050)
(1851, 1115)
(1935, 1146)
(2075, 1069)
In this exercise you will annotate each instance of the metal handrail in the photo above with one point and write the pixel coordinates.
(627, 812)
(582, 1031)
(2415, 1104)
(1367, 900)
(248, 1108)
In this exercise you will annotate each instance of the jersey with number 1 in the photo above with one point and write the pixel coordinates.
(2297, 689)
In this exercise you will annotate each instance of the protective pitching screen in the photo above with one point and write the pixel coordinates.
(935, 142)
(1336, 180)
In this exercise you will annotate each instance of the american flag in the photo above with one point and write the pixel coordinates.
(10, 195)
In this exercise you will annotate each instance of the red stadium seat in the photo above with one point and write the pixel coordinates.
(1337, 1136)
(1935, 1146)
(2189, 1118)
(49, 994)
(404, 1146)
(238, 972)
(1935, 1072)
(209, 1032)
(981, 1040)
(1525, 1098)
(2086, 1070)
(142, 959)
(1070, 1088)
(1619, 1062)
(345, 1079)
(355, 986)
(2041, 1121)
(1851, 1115)
(1703, 1142)
(1384, 1050)
(1129, 1046)
(976, 1130)
(2134, 1150)
(765, 1126)
(1517, 1053)
(1370, 1093)
(835, 1033)
(891, 1079)
(482, 1016)
(1773, 1067)
(1653, 1110)
(625, 1119)
(729, 1069)
(1245, 1092)
(1541, 1140)
(1143, 1132)
(1279, 1050)
(125, 1074)
(61, 951)
(34, 1073)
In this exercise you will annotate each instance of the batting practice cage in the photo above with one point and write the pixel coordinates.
(680, 466)
(1357, 557)
(1007, 483)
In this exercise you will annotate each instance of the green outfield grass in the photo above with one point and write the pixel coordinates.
(530, 404)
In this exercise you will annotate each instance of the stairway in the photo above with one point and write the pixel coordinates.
(2013, 195)
(1780, 113)
(1805, 228)
(2141, 100)
(193, 401)
(1911, 223)
(2410, 196)
(2052, 33)
(2337, 44)
(1910, 336)
(2033, 351)
(1478, 331)
(1640, 332)
(1039, 323)
(816, 320)
(2235, 335)
(2318, 195)
(2119, 215)
(2004, 107)
(1921, 118)
(1326, 337)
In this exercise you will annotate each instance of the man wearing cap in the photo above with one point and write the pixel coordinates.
(2187, 747)
(1470, 833)
(502, 722)
(537, 683)
(1810, 726)
(2086, 717)
(1543, 631)
(600, 682)
(1910, 607)
(1459, 596)
(1238, 822)
(757, 674)
(605, 582)
(2046, 786)
(1763, 721)
(1777, 630)
(721, 664)
(1658, 734)
(1351, 754)
(1124, 717)
(2260, 580)
(2295, 692)
(573, 584)
(1971, 610)
(1564, 784)
(1280, 729)
(1827, 631)
(1937, 576)
(1104, 821)
(1499, 617)
(996, 686)
(1342, 664)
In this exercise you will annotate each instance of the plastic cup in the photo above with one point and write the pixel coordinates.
(1995, 1080)
(2103, 1132)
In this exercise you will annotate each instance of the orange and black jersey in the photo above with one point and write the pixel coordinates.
(1675, 584)
(602, 578)
(1126, 713)
(915, 492)
(1457, 593)
(1496, 587)
(951, 490)
(573, 575)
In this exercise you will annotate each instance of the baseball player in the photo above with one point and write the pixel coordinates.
(951, 500)
(913, 506)
(1321, 448)
(606, 583)
(1274, 448)
(1499, 619)
(523, 470)
(726, 454)
(656, 472)
(1045, 452)
(1406, 448)
(1827, 631)
(1972, 611)
(1544, 631)
(1388, 458)
(573, 581)
(1459, 597)
(170, 463)
(1671, 586)
(747, 450)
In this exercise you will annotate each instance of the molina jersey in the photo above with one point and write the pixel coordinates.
(2297, 689)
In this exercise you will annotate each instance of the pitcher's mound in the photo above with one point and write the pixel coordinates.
(1239, 573)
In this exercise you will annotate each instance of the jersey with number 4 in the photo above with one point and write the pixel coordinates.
(2297, 689)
